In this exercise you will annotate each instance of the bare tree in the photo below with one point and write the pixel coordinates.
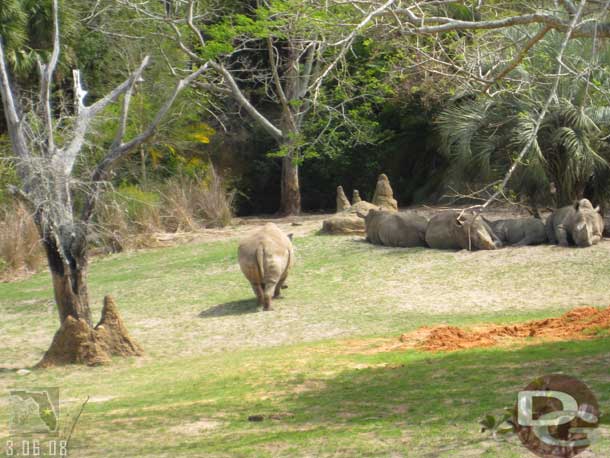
(45, 166)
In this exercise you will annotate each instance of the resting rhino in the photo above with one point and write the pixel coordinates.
(519, 231)
(395, 229)
(265, 258)
(579, 224)
(452, 230)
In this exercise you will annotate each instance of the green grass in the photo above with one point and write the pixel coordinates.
(212, 359)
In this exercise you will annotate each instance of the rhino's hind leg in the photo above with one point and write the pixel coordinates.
(267, 295)
(281, 285)
(258, 291)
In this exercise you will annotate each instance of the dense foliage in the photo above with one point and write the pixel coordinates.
(569, 159)
(379, 113)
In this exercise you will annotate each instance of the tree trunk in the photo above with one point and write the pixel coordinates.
(68, 265)
(77, 341)
(290, 203)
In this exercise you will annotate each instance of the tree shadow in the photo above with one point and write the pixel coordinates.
(416, 390)
(240, 307)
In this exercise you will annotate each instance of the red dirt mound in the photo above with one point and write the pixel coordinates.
(580, 323)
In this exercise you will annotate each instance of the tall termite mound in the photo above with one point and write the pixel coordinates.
(384, 196)
(78, 343)
(342, 202)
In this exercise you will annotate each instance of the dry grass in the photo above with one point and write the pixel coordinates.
(188, 203)
(133, 217)
(20, 248)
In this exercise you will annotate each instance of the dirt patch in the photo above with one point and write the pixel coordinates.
(579, 323)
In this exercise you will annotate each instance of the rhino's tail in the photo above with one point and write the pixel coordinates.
(260, 256)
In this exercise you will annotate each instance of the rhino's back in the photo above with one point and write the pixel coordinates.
(404, 230)
(514, 230)
(266, 254)
(439, 234)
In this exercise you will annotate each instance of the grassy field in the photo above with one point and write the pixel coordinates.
(212, 359)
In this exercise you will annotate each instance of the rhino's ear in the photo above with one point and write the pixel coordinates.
(458, 221)
(598, 209)
(290, 236)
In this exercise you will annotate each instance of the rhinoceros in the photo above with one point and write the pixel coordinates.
(395, 229)
(265, 258)
(519, 231)
(579, 224)
(454, 230)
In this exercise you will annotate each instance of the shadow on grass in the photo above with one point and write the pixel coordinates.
(402, 403)
(231, 308)
(449, 392)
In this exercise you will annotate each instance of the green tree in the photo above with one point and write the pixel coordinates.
(271, 58)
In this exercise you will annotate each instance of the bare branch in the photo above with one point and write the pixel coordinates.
(118, 149)
(239, 96)
(46, 80)
(10, 109)
(519, 57)
(87, 114)
(552, 95)
(347, 43)
(438, 24)
(79, 92)
(14, 122)
(273, 62)
(116, 92)
(120, 133)
(191, 24)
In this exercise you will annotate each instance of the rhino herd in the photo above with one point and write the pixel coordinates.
(266, 256)
(579, 224)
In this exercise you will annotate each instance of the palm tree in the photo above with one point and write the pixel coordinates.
(482, 135)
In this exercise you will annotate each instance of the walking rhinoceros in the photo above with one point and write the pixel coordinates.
(454, 230)
(519, 231)
(395, 229)
(265, 258)
(579, 224)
